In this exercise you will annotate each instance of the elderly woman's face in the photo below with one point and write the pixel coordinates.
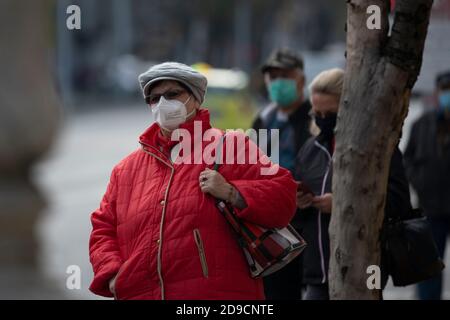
(324, 104)
(172, 90)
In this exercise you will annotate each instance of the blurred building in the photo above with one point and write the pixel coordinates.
(119, 37)
(437, 47)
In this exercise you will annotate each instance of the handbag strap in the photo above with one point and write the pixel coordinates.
(219, 153)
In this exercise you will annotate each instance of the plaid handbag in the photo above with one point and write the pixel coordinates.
(266, 250)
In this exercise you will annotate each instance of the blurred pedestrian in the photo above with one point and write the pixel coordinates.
(288, 112)
(427, 161)
(314, 171)
(158, 233)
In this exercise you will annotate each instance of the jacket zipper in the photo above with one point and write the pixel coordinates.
(201, 252)
(159, 258)
(319, 216)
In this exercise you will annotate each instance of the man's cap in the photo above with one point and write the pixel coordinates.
(283, 58)
(443, 80)
(192, 79)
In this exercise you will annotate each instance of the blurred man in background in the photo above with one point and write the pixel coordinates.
(427, 160)
(289, 113)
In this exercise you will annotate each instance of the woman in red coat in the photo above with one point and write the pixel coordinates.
(157, 233)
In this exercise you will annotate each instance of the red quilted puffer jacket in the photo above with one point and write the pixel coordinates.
(165, 239)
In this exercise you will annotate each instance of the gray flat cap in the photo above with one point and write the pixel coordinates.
(192, 79)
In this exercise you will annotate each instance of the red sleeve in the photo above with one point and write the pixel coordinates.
(103, 247)
(268, 189)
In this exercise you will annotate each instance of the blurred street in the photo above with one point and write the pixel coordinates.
(74, 178)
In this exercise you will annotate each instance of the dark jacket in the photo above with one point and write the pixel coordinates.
(298, 120)
(427, 165)
(314, 168)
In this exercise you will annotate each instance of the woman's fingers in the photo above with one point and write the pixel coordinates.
(304, 196)
(318, 202)
(205, 183)
(323, 203)
(303, 200)
(211, 176)
(205, 187)
(203, 175)
(213, 183)
(112, 285)
(207, 174)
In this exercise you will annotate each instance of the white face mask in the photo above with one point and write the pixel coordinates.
(171, 113)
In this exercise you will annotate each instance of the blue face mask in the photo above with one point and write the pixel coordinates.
(444, 100)
(283, 92)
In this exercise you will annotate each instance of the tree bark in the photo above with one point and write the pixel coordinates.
(381, 70)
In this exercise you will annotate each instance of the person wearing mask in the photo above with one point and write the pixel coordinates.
(427, 161)
(314, 171)
(288, 112)
(158, 233)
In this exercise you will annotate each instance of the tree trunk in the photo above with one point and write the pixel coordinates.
(381, 71)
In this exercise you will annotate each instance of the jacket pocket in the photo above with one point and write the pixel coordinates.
(201, 252)
(119, 277)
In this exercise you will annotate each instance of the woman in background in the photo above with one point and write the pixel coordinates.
(314, 170)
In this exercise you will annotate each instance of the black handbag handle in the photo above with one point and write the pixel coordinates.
(219, 153)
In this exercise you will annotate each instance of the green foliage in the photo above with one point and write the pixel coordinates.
(230, 110)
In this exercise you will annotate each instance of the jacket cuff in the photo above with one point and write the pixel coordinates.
(245, 213)
(100, 284)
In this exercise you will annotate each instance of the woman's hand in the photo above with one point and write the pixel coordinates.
(304, 200)
(112, 285)
(323, 203)
(214, 183)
